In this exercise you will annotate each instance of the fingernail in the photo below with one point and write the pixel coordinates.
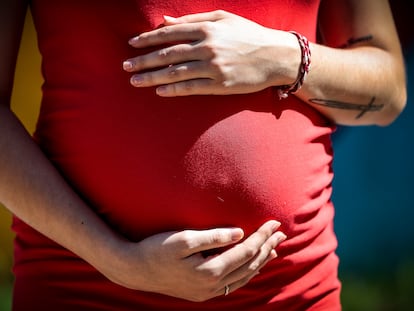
(133, 40)
(236, 234)
(161, 90)
(127, 65)
(137, 80)
(281, 237)
(275, 225)
(169, 19)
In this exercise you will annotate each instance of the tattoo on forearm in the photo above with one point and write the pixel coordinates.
(353, 41)
(348, 106)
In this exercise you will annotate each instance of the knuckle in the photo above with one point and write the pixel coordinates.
(164, 53)
(173, 89)
(220, 71)
(187, 240)
(207, 28)
(218, 237)
(140, 62)
(189, 85)
(176, 72)
(149, 78)
(164, 32)
(267, 247)
(211, 275)
(209, 49)
(185, 243)
(254, 266)
(184, 87)
(170, 53)
(143, 37)
(173, 72)
(216, 65)
(263, 236)
(249, 251)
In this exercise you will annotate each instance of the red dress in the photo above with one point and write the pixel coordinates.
(148, 164)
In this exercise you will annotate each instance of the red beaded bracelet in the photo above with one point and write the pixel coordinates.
(285, 90)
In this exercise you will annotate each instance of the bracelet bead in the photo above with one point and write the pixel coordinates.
(285, 90)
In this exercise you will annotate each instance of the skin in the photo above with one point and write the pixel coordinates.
(169, 263)
(360, 60)
(219, 59)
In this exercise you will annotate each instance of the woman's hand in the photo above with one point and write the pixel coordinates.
(213, 53)
(173, 263)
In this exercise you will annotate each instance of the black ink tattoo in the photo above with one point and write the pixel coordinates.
(348, 106)
(353, 41)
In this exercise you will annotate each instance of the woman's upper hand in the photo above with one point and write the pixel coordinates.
(222, 53)
(213, 53)
(173, 263)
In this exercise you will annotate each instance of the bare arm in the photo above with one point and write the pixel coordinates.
(170, 263)
(361, 83)
(358, 78)
(29, 185)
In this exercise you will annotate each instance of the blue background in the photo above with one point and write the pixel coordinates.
(374, 202)
(374, 188)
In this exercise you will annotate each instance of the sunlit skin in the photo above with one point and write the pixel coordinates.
(217, 58)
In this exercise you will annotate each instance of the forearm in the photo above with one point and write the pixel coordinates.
(32, 189)
(357, 76)
(360, 86)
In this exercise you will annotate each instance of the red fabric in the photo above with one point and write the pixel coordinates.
(148, 164)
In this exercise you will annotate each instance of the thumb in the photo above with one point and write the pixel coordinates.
(204, 240)
(169, 20)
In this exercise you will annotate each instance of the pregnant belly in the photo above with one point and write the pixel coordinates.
(240, 168)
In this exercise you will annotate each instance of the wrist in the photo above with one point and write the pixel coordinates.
(302, 69)
(118, 260)
(285, 56)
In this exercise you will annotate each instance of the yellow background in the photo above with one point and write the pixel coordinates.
(25, 103)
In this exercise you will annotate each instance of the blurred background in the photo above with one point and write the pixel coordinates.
(373, 192)
(374, 201)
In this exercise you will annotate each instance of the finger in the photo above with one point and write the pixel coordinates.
(243, 275)
(195, 18)
(171, 74)
(229, 288)
(193, 241)
(233, 285)
(164, 57)
(168, 34)
(204, 86)
(242, 253)
(267, 253)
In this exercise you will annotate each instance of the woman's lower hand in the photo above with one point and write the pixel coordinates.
(213, 53)
(173, 263)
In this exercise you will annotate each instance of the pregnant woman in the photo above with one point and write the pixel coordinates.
(182, 155)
